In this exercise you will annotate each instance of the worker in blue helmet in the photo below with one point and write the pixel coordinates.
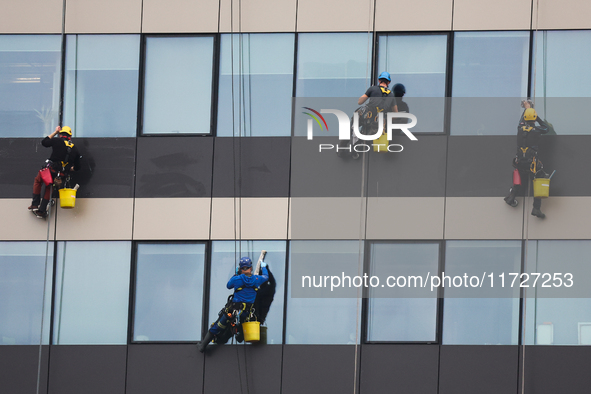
(381, 90)
(245, 286)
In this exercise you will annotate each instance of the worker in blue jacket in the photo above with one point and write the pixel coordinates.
(245, 286)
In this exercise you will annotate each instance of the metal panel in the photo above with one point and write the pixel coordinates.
(478, 369)
(18, 369)
(174, 166)
(318, 369)
(243, 368)
(407, 369)
(557, 369)
(87, 369)
(261, 167)
(171, 369)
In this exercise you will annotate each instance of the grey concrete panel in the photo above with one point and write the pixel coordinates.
(171, 369)
(242, 369)
(557, 369)
(19, 369)
(318, 369)
(478, 369)
(410, 369)
(174, 166)
(480, 166)
(324, 174)
(417, 171)
(251, 167)
(87, 369)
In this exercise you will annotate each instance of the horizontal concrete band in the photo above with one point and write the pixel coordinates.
(210, 16)
(377, 218)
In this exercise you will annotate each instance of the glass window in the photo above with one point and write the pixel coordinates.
(493, 68)
(481, 321)
(262, 85)
(22, 266)
(29, 84)
(561, 78)
(169, 292)
(557, 320)
(91, 293)
(333, 64)
(419, 63)
(178, 85)
(323, 320)
(224, 259)
(101, 87)
(393, 314)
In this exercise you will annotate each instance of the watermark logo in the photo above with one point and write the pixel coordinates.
(348, 131)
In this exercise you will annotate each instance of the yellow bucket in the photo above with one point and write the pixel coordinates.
(541, 187)
(381, 143)
(67, 198)
(252, 332)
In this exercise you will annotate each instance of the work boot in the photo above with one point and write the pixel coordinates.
(40, 214)
(206, 340)
(511, 201)
(536, 212)
(33, 207)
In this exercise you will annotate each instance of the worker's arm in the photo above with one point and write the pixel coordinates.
(362, 99)
(46, 142)
(235, 281)
(542, 126)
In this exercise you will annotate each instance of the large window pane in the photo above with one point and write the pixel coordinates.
(490, 75)
(22, 266)
(394, 316)
(91, 293)
(561, 80)
(333, 64)
(29, 84)
(324, 320)
(419, 63)
(169, 292)
(177, 87)
(558, 321)
(224, 260)
(262, 85)
(482, 321)
(101, 88)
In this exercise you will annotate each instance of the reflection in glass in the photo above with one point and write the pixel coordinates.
(333, 64)
(22, 266)
(555, 320)
(101, 87)
(178, 85)
(169, 292)
(396, 317)
(324, 320)
(224, 259)
(481, 321)
(29, 84)
(91, 293)
(261, 88)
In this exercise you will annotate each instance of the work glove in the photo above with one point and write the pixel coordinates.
(263, 264)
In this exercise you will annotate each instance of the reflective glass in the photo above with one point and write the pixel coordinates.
(29, 84)
(333, 64)
(481, 321)
(419, 63)
(91, 293)
(101, 87)
(22, 266)
(178, 85)
(396, 317)
(169, 292)
(324, 320)
(224, 259)
(558, 321)
(561, 79)
(493, 68)
(262, 85)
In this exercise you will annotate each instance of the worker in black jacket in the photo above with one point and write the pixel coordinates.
(64, 158)
(526, 161)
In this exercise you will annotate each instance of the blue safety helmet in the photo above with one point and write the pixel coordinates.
(245, 262)
(385, 75)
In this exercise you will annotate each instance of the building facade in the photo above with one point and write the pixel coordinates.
(188, 116)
